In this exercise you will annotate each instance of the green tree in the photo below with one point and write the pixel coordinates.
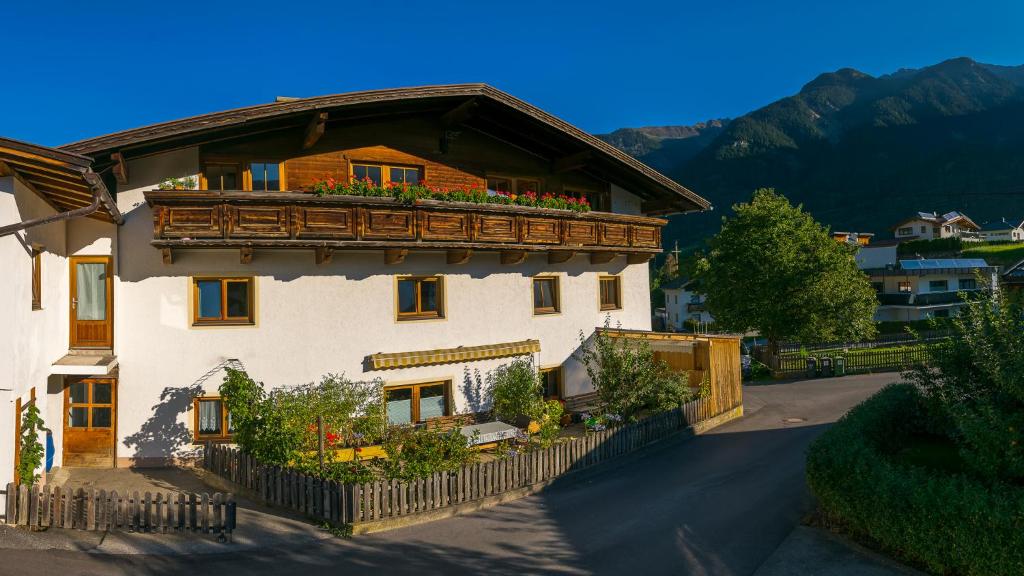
(775, 270)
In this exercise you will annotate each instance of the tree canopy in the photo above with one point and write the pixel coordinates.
(772, 268)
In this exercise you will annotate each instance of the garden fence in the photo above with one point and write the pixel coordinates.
(52, 507)
(327, 500)
(874, 360)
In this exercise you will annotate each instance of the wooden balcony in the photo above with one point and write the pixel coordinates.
(274, 220)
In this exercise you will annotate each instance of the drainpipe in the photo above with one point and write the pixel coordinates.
(100, 197)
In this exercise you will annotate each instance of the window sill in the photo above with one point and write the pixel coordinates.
(545, 312)
(610, 308)
(214, 439)
(419, 318)
(221, 323)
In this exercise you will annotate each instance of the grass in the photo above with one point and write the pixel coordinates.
(995, 254)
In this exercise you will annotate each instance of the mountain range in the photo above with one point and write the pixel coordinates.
(859, 152)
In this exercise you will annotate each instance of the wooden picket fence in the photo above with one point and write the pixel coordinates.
(338, 503)
(52, 507)
(875, 360)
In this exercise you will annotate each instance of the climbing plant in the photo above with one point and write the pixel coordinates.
(31, 450)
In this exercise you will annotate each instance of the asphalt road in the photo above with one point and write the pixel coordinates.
(720, 503)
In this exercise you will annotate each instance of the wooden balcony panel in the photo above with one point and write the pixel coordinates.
(257, 222)
(205, 219)
(332, 223)
(446, 226)
(541, 231)
(614, 234)
(495, 228)
(388, 224)
(192, 222)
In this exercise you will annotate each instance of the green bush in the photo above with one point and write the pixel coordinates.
(974, 385)
(31, 450)
(949, 523)
(279, 426)
(548, 416)
(628, 379)
(417, 453)
(937, 247)
(514, 390)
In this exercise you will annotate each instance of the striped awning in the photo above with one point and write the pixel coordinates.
(383, 361)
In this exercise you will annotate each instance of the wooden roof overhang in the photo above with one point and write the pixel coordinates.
(247, 221)
(64, 180)
(456, 107)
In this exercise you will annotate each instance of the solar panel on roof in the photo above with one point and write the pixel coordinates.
(939, 263)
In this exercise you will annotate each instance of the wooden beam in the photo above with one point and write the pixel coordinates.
(395, 255)
(6, 170)
(559, 256)
(120, 167)
(460, 114)
(459, 256)
(324, 255)
(316, 128)
(513, 257)
(245, 254)
(635, 258)
(571, 162)
(602, 257)
(168, 255)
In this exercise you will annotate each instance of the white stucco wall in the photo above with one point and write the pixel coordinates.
(31, 339)
(625, 202)
(876, 256)
(314, 320)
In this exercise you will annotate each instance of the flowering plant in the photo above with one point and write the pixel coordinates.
(410, 193)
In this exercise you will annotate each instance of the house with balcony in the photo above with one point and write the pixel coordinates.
(685, 309)
(419, 236)
(1002, 230)
(932, 226)
(928, 288)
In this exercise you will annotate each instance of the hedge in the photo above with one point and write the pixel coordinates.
(947, 523)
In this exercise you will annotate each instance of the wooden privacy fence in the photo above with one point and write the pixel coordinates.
(339, 503)
(874, 360)
(94, 509)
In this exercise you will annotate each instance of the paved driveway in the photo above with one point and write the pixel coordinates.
(720, 503)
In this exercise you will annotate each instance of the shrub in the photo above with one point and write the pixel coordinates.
(628, 378)
(548, 418)
(31, 450)
(417, 453)
(514, 390)
(277, 427)
(974, 385)
(949, 523)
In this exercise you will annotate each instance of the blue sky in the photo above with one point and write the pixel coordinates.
(75, 70)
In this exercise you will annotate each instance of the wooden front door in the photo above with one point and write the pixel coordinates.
(90, 422)
(92, 299)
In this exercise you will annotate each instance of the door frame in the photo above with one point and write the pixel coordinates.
(67, 414)
(73, 294)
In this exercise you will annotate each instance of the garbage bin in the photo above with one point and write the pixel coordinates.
(812, 367)
(826, 367)
(840, 366)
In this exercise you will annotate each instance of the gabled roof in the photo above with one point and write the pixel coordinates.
(1002, 224)
(494, 112)
(680, 283)
(935, 219)
(63, 179)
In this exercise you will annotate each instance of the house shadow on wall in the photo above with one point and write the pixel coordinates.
(164, 440)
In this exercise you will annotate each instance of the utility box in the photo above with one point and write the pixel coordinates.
(826, 367)
(812, 367)
(840, 366)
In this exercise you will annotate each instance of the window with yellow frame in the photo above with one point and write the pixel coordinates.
(223, 300)
(259, 175)
(610, 289)
(419, 297)
(380, 174)
(212, 421)
(545, 295)
(551, 382)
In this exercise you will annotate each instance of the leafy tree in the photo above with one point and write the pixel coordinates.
(32, 451)
(773, 269)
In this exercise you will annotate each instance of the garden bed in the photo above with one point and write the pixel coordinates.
(881, 474)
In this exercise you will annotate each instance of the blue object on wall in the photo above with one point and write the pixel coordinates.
(49, 451)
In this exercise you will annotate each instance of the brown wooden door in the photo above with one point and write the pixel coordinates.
(92, 299)
(90, 422)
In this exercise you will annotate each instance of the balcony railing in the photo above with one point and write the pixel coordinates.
(926, 299)
(251, 220)
(696, 307)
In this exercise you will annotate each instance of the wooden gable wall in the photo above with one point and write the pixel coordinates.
(471, 158)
